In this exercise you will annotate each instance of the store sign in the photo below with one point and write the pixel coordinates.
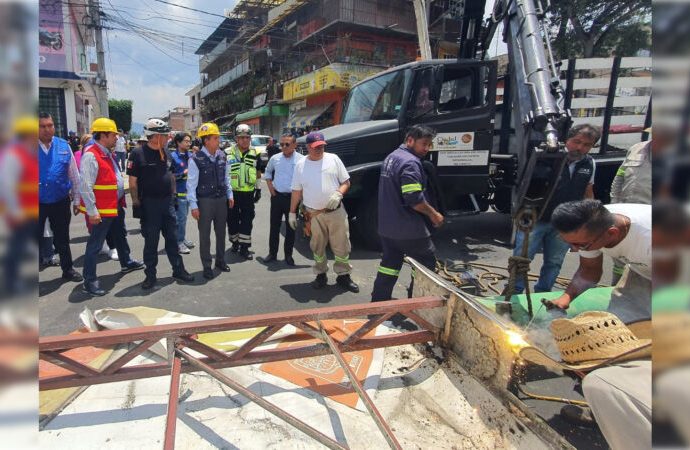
(464, 158)
(333, 76)
(259, 100)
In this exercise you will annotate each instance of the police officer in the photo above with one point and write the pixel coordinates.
(404, 204)
(210, 195)
(153, 189)
(180, 158)
(245, 178)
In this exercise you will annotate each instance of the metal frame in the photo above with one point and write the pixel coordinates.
(180, 337)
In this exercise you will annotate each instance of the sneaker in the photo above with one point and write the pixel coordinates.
(93, 289)
(320, 281)
(105, 250)
(182, 249)
(132, 266)
(113, 255)
(72, 275)
(184, 276)
(189, 244)
(346, 282)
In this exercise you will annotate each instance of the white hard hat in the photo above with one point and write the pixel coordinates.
(243, 130)
(156, 126)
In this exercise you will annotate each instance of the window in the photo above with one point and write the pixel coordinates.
(52, 101)
(456, 90)
(377, 99)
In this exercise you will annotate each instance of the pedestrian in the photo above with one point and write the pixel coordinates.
(272, 148)
(73, 140)
(633, 184)
(58, 191)
(103, 202)
(152, 187)
(19, 198)
(320, 181)
(121, 151)
(576, 183)
(210, 196)
(404, 203)
(180, 158)
(278, 178)
(245, 178)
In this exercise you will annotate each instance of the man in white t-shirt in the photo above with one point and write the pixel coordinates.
(619, 395)
(320, 181)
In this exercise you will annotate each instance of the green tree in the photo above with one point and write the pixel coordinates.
(121, 112)
(600, 28)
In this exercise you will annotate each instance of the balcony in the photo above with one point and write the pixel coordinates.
(225, 79)
(210, 57)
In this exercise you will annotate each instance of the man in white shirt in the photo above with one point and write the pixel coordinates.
(320, 181)
(121, 151)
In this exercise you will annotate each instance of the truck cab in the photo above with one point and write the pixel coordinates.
(454, 97)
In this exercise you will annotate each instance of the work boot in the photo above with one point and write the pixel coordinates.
(183, 275)
(244, 253)
(346, 282)
(208, 273)
(93, 289)
(72, 275)
(148, 283)
(320, 281)
(132, 266)
(235, 247)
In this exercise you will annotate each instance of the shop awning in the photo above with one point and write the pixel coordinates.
(306, 117)
(276, 110)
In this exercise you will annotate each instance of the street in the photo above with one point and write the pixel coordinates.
(252, 287)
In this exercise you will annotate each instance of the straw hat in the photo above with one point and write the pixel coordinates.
(590, 340)
(672, 337)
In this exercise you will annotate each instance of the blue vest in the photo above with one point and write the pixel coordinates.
(212, 178)
(54, 184)
(569, 188)
(181, 163)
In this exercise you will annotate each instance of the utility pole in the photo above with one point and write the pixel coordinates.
(101, 82)
(420, 12)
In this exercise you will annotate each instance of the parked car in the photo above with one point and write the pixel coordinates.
(260, 142)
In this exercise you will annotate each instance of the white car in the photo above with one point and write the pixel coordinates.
(260, 142)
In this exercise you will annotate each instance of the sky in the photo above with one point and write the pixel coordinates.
(156, 76)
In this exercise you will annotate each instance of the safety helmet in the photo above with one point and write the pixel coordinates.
(156, 126)
(208, 129)
(103, 125)
(243, 130)
(26, 125)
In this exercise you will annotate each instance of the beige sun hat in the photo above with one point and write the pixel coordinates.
(590, 340)
(672, 337)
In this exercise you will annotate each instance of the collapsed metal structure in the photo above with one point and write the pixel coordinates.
(181, 338)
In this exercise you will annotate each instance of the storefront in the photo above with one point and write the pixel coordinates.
(267, 119)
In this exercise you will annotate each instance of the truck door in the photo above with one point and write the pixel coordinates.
(457, 99)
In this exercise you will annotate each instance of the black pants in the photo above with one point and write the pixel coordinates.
(394, 251)
(158, 216)
(60, 215)
(280, 208)
(241, 218)
(212, 211)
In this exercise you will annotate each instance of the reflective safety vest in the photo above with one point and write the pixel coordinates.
(242, 168)
(27, 189)
(105, 187)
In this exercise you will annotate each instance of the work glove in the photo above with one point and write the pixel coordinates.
(334, 200)
(257, 195)
(292, 220)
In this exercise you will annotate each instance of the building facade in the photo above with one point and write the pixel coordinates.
(70, 88)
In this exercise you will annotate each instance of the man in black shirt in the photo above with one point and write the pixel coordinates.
(153, 190)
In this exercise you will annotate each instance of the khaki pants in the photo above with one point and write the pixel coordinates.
(331, 228)
(620, 397)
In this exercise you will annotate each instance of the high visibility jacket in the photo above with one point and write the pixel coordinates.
(27, 189)
(105, 187)
(242, 168)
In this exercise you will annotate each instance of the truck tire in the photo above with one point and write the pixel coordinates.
(367, 223)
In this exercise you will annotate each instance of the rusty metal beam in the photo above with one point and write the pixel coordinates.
(359, 389)
(421, 321)
(127, 335)
(127, 357)
(67, 363)
(254, 357)
(367, 327)
(204, 349)
(310, 330)
(255, 342)
(171, 418)
(268, 406)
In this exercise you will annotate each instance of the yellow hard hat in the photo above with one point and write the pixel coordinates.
(103, 125)
(25, 126)
(208, 129)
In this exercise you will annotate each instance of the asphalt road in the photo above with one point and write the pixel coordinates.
(252, 287)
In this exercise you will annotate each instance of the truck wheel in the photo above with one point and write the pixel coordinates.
(367, 223)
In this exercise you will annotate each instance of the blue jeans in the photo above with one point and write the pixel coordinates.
(121, 158)
(181, 213)
(116, 227)
(543, 237)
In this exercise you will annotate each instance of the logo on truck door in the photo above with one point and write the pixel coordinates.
(454, 141)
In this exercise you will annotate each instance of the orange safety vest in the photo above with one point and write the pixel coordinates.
(105, 187)
(27, 189)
